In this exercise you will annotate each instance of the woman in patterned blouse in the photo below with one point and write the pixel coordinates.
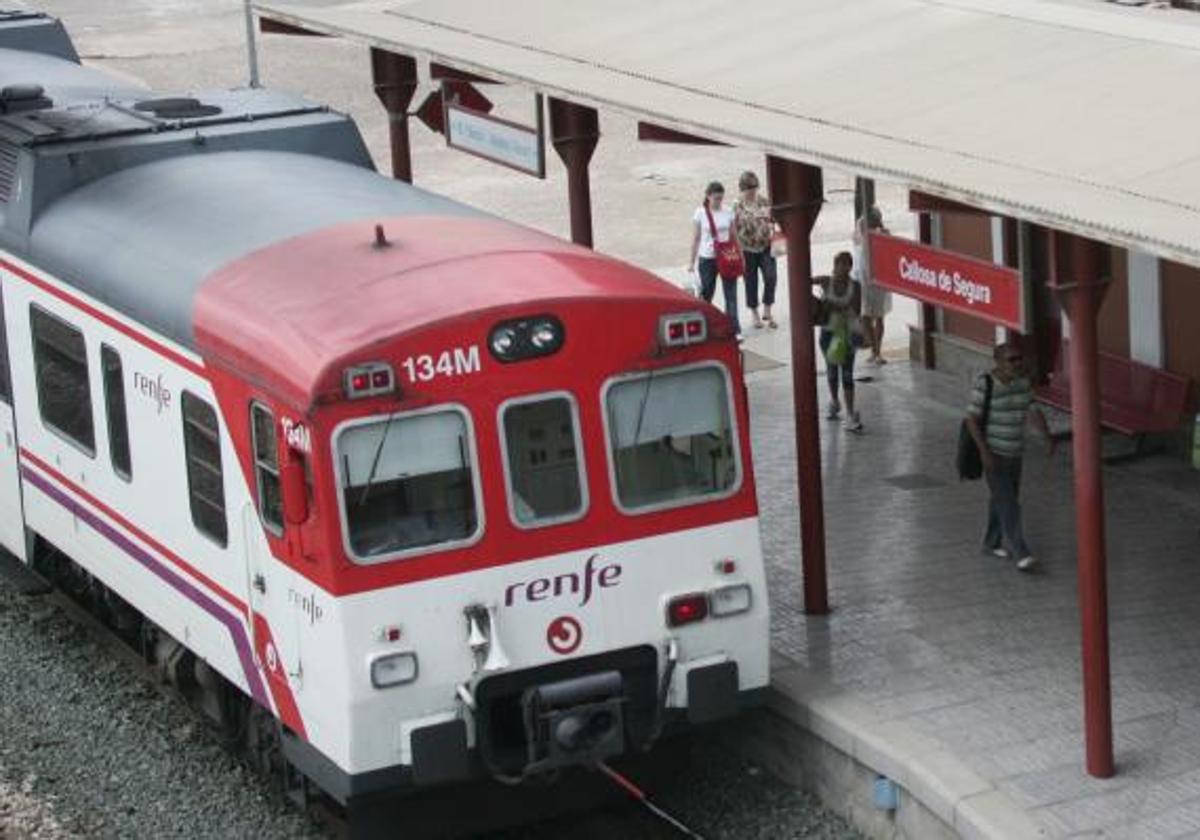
(753, 226)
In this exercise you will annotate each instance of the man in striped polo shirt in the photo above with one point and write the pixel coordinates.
(1001, 444)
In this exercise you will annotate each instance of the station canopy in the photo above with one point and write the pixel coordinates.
(1076, 115)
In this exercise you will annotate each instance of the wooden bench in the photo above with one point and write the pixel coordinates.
(1135, 399)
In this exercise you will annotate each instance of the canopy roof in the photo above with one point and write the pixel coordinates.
(1079, 117)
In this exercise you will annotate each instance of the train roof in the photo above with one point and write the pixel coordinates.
(293, 316)
(31, 31)
(143, 240)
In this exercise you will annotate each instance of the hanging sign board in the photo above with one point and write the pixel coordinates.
(508, 143)
(983, 289)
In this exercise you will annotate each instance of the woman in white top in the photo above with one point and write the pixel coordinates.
(702, 248)
(876, 300)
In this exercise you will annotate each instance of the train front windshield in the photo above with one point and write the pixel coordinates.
(408, 483)
(672, 437)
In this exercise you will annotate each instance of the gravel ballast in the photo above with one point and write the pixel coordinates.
(89, 748)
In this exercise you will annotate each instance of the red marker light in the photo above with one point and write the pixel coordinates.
(675, 331)
(393, 634)
(695, 329)
(726, 567)
(381, 379)
(687, 609)
(360, 382)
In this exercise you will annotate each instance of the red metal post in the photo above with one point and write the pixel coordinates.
(1081, 290)
(797, 193)
(395, 78)
(928, 310)
(574, 130)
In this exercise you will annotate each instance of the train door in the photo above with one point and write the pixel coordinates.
(12, 517)
(270, 593)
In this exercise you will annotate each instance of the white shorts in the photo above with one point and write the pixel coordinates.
(876, 302)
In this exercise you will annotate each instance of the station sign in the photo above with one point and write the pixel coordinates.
(511, 144)
(985, 290)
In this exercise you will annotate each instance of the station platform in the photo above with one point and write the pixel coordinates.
(950, 672)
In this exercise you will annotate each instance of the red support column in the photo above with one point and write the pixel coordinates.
(1081, 290)
(395, 78)
(574, 130)
(797, 192)
(928, 310)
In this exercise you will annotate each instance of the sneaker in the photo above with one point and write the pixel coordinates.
(833, 412)
(853, 423)
(1027, 563)
(998, 552)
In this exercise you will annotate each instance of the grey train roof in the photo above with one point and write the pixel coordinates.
(142, 240)
(64, 81)
(135, 198)
(35, 32)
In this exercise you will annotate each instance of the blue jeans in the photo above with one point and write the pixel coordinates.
(708, 287)
(832, 371)
(760, 261)
(1004, 508)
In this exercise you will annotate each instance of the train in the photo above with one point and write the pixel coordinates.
(409, 493)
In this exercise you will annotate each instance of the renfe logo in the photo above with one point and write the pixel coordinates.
(564, 635)
(569, 583)
(153, 389)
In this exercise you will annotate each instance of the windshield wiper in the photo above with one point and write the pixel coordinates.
(387, 427)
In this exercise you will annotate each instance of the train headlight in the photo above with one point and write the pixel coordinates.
(393, 669)
(543, 335)
(526, 338)
(730, 600)
(504, 339)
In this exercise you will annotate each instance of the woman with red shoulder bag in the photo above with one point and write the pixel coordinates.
(715, 251)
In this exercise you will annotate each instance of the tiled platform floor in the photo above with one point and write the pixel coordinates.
(965, 649)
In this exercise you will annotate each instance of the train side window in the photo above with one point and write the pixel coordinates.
(671, 438)
(206, 482)
(542, 460)
(409, 484)
(266, 467)
(114, 405)
(61, 369)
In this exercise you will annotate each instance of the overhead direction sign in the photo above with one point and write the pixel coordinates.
(508, 143)
(983, 289)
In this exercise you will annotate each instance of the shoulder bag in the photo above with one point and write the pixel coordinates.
(968, 460)
(728, 253)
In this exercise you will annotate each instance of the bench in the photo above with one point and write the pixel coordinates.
(1135, 399)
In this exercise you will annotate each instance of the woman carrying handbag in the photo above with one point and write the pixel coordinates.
(841, 333)
(715, 251)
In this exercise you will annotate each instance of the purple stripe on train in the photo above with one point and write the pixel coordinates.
(234, 625)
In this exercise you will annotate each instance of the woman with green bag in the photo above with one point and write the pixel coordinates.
(841, 333)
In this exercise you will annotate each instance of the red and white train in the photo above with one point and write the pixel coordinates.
(444, 496)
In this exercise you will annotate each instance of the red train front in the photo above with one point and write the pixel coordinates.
(532, 533)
